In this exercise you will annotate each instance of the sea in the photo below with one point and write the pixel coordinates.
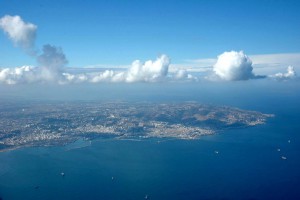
(261, 162)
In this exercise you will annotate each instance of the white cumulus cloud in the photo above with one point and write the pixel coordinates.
(183, 75)
(25, 74)
(290, 74)
(150, 71)
(21, 33)
(233, 66)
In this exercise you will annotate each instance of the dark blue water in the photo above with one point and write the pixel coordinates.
(248, 165)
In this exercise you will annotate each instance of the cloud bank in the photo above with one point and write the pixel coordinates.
(149, 71)
(233, 66)
(52, 69)
(229, 66)
(21, 33)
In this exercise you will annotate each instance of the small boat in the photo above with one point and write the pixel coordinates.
(146, 197)
(283, 157)
(62, 174)
(278, 150)
(216, 152)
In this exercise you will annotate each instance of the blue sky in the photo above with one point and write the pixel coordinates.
(118, 32)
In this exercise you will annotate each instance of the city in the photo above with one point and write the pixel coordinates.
(59, 123)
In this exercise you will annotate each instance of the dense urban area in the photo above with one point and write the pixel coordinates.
(60, 123)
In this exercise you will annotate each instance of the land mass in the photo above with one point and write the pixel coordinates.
(47, 124)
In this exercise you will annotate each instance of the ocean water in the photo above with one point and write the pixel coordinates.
(248, 164)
